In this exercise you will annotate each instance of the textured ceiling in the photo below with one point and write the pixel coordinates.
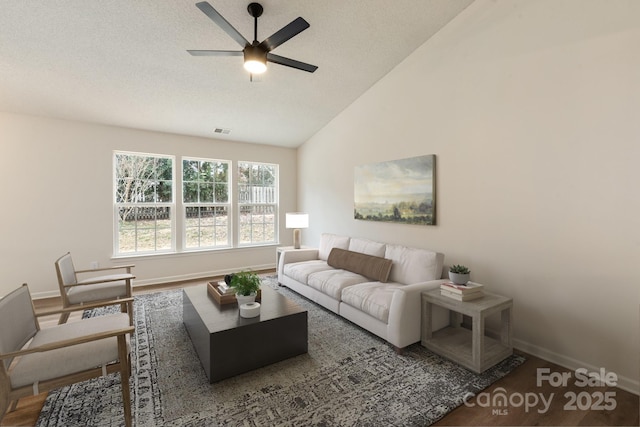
(124, 62)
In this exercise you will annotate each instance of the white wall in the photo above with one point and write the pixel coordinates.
(531, 108)
(57, 188)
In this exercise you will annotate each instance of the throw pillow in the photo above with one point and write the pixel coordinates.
(371, 267)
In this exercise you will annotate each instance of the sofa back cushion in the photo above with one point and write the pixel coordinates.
(413, 265)
(329, 241)
(371, 267)
(368, 247)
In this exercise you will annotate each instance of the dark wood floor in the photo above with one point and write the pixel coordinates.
(477, 412)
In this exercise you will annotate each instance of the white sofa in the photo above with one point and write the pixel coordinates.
(389, 308)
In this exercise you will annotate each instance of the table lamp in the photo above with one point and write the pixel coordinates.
(297, 220)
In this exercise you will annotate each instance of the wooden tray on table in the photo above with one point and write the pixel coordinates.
(214, 291)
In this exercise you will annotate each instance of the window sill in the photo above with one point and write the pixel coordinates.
(203, 252)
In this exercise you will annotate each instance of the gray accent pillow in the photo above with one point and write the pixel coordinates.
(371, 267)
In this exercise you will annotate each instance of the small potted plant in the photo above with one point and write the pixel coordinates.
(459, 274)
(247, 285)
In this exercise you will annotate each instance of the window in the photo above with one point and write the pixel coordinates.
(205, 195)
(143, 203)
(257, 203)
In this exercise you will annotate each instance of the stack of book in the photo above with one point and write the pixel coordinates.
(225, 289)
(467, 292)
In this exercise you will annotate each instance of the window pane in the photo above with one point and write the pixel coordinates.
(163, 241)
(190, 192)
(190, 170)
(127, 241)
(258, 199)
(222, 236)
(206, 171)
(192, 235)
(206, 193)
(141, 182)
(221, 193)
(222, 217)
(206, 237)
(148, 194)
(164, 192)
(164, 169)
(146, 240)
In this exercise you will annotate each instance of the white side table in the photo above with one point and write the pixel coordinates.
(470, 348)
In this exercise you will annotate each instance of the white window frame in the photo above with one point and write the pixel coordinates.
(199, 204)
(257, 204)
(155, 204)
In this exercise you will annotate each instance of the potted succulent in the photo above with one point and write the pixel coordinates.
(247, 285)
(459, 274)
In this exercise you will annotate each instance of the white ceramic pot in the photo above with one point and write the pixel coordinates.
(242, 299)
(250, 310)
(459, 279)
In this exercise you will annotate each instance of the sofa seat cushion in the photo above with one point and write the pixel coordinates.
(332, 282)
(373, 298)
(99, 291)
(64, 361)
(300, 271)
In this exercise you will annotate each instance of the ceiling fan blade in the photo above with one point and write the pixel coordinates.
(290, 30)
(277, 59)
(215, 52)
(222, 23)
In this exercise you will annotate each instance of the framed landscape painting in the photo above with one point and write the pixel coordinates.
(401, 191)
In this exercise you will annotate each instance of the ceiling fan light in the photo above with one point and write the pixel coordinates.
(255, 60)
(255, 66)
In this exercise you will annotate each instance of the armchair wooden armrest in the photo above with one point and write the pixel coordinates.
(68, 343)
(128, 267)
(71, 309)
(102, 279)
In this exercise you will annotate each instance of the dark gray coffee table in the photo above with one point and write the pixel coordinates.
(228, 344)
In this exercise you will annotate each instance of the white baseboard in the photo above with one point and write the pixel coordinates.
(199, 275)
(625, 383)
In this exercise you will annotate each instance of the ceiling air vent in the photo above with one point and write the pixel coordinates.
(222, 131)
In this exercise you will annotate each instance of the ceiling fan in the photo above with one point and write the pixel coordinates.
(256, 54)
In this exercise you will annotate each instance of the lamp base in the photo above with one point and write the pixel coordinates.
(296, 238)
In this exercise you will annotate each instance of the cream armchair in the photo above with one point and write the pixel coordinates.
(110, 288)
(34, 360)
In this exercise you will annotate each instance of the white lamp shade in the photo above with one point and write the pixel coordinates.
(297, 220)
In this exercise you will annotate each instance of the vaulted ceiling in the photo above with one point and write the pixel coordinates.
(125, 63)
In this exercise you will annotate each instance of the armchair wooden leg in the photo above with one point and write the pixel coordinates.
(4, 400)
(63, 318)
(128, 308)
(125, 364)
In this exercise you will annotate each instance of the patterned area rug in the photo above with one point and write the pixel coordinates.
(348, 378)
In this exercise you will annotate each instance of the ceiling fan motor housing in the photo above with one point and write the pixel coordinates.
(254, 52)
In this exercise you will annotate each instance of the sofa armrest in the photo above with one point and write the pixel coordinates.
(295, 255)
(405, 313)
